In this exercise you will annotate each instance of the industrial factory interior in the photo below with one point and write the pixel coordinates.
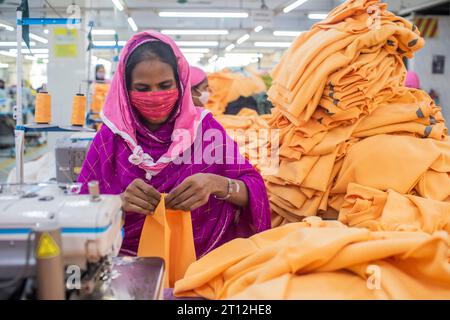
(197, 151)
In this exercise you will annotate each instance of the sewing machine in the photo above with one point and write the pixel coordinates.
(48, 227)
(70, 152)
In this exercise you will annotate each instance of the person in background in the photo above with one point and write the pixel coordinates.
(100, 73)
(200, 87)
(412, 80)
(3, 95)
(150, 124)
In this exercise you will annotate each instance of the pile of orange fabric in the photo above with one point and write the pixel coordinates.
(246, 128)
(227, 86)
(339, 95)
(315, 259)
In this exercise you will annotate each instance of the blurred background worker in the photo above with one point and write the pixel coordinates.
(200, 87)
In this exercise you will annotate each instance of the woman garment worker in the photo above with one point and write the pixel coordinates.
(200, 87)
(150, 144)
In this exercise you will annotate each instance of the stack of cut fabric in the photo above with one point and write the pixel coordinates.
(315, 259)
(246, 129)
(227, 87)
(346, 117)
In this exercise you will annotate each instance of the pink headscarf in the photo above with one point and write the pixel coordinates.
(412, 80)
(117, 112)
(197, 76)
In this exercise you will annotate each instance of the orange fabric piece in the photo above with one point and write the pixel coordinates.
(376, 210)
(323, 260)
(168, 234)
(227, 86)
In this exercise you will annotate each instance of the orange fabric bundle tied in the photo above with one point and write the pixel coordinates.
(43, 110)
(168, 234)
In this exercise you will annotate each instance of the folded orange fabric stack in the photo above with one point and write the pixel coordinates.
(252, 134)
(337, 85)
(315, 259)
(227, 86)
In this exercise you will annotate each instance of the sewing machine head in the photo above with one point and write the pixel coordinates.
(90, 228)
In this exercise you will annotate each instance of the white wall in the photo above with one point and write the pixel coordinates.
(422, 64)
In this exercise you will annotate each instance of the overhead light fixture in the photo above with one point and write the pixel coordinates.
(122, 43)
(118, 4)
(4, 65)
(230, 47)
(41, 55)
(242, 39)
(132, 24)
(194, 50)
(287, 33)
(273, 44)
(192, 14)
(294, 5)
(258, 28)
(8, 53)
(7, 27)
(197, 43)
(103, 32)
(46, 31)
(33, 51)
(31, 58)
(213, 58)
(195, 32)
(14, 43)
(38, 38)
(104, 43)
(244, 55)
(317, 16)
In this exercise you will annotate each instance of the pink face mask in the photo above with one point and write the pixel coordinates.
(154, 106)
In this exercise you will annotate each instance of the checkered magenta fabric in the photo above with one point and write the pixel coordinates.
(214, 223)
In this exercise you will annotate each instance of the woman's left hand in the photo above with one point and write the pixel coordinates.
(194, 192)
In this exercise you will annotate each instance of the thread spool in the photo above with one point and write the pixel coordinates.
(79, 110)
(43, 109)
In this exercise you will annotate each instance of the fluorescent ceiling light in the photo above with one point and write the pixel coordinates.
(244, 55)
(104, 43)
(41, 55)
(118, 4)
(103, 32)
(14, 43)
(242, 39)
(32, 58)
(195, 32)
(195, 50)
(213, 58)
(259, 28)
(46, 31)
(132, 24)
(287, 33)
(273, 44)
(230, 47)
(197, 43)
(317, 16)
(192, 14)
(4, 65)
(7, 27)
(38, 38)
(8, 54)
(33, 51)
(294, 5)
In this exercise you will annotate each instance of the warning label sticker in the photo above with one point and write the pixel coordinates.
(47, 247)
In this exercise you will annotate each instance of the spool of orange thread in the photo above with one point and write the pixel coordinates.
(43, 109)
(79, 110)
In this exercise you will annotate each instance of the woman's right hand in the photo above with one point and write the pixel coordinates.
(140, 197)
